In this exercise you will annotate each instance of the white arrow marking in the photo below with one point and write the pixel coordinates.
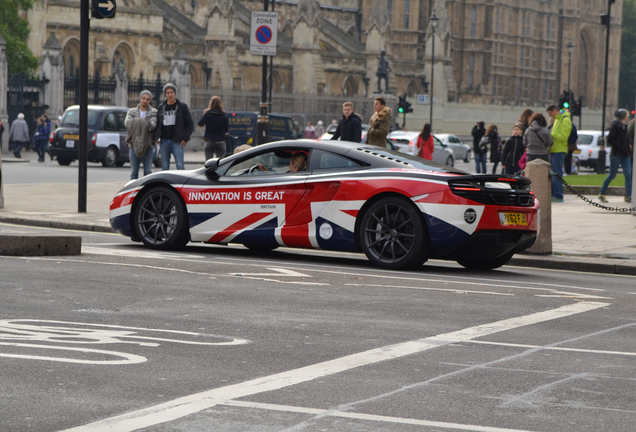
(279, 272)
(108, 5)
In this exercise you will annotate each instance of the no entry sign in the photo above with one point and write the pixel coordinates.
(264, 29)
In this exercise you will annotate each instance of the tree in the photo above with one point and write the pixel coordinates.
(15, 30)
(627, 85)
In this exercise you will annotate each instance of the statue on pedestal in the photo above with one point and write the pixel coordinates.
(383, 72)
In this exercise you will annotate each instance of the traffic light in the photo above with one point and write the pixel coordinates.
(404, 107)
(564, 100)
(576, 107)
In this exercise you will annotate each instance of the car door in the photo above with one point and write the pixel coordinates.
(456, 145)
(248, 201)
(441, 153)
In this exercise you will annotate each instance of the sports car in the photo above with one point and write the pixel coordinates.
(399, 210)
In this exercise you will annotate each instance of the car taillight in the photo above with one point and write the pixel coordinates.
(589, 154)
(411, 147)
(52, 137)
(94, 139)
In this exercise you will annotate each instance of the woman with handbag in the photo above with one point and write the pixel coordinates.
(495, 146)
(537, 139)
(425, 144)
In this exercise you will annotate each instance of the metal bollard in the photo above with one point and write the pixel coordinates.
(538, 171)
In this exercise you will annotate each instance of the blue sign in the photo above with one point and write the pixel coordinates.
(106, 8)
(264, 34)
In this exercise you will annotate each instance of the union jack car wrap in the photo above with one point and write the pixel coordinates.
(398, 209)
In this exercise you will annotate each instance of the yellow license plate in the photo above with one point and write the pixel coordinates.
(577, 152)
(518, 219)
(71, 137)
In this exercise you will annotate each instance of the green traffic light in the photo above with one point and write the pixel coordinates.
(401, 110)
(566, 105)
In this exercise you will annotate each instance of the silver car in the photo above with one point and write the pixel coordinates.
(460, 149)
(406, 142)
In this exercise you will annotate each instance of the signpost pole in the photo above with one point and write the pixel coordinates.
(263, 119)
(83, 111)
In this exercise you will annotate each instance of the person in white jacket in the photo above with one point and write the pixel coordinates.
(141, 121)
(19, 134)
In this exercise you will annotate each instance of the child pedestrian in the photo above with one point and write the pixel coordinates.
(512, 151)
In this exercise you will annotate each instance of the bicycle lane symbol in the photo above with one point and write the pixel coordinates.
(49, 340)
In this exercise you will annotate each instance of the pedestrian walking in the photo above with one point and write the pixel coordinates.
(561, 130)
(320, 129)
(523, 120)
(350, 125)
(425, 143)
(537, 140)
(380, 123)
(41, 138)
(310, 131)
(174, 128)
(480, 152)
(512, 151)
(618, 139)
(217, 127)
(141, 123)
(495, 146)
(19, 134)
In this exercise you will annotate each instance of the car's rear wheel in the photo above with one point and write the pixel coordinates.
(393, 234)
(110, 157)
(161, 219)
(64, 161)
(477, 264)
(450, 162)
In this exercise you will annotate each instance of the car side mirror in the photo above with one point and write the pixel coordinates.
(211, 166)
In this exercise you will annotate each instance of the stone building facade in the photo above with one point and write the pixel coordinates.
(498, 52)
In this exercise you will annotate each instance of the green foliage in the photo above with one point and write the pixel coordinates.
(627, 83)
(593, 179)
(15, 30)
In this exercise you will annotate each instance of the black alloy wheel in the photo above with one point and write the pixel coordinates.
(161, 219)
(393, 234)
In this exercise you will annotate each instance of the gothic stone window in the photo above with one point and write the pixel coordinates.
(407, 12)
(473, 21)
(471, 70)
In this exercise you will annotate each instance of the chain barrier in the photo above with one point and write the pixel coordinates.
(589, 201)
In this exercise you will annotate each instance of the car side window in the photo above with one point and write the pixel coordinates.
(121, 120)
(333, 161)
(437, 141)
(274, 162)
(110, 122)
(453, 140)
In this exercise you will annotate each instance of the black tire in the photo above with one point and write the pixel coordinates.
(64, 161)
(161, 219)
(393, 235)
(485, 265)
(450, 162)
(467, 157)
(119, 164)
(110, 157)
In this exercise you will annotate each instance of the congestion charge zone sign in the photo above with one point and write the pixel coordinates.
(263, 33)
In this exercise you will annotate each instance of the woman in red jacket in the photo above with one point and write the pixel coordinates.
(425, 144)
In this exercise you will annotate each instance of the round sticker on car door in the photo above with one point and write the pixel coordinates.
(470, 215)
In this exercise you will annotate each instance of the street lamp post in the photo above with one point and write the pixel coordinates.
(570, 47)
(605, 19)
(434, 20)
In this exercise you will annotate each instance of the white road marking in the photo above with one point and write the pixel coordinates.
(581, 350)
(453, 290)
(64, 332)
(367, 417)
(197, 402)
(278, 272)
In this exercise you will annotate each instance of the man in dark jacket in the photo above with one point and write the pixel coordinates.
(481, 157)
(350, 125)
(174, 128)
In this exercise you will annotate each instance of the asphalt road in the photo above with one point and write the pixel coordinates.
(218, 338)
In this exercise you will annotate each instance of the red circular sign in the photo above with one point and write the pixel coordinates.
(263, 34)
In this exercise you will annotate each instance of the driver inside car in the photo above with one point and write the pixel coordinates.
(298, 162)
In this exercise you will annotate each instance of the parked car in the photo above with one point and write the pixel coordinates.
(587, 153)
(399, 210)
(406, 142)
(106, 135)
(243, 126)
(331, 129)
(461, 150)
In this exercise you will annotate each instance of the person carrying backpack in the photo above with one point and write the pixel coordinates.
(572, 139)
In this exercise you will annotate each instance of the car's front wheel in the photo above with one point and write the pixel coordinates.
(161, 219)
(393, 234)
(450, 162)
(477, 264)
(467, 157)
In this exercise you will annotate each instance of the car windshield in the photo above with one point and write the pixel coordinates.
(584, 139)
(413, 161)
(71, 118)
(332, 128)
